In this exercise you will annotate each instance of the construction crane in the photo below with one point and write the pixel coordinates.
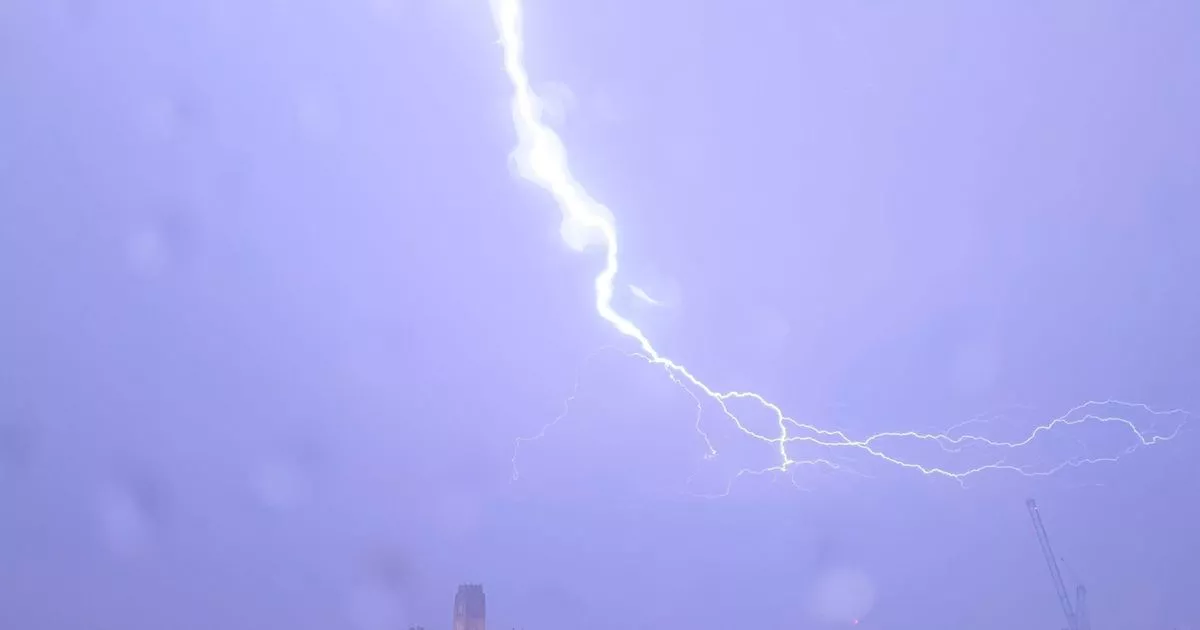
(1077, 613)
(1081, 608)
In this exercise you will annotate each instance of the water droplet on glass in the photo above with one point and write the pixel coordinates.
(389, 569)
(130, 510)
(80, 12)
(842, 594)
(279, 485)
(557, 101)
(976, 365)
(166, 119)
(457, 513)
(284, 480)
(159, 244)
(317, 117)
(374, 609)
(387, 9)
(379, 601)
(16, 445)
(147, 251)
(608, 108)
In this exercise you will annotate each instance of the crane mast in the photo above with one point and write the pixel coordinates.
(1081, 608)
(1064, 598)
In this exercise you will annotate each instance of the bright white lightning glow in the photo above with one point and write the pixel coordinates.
(640, 293)
(542, 159)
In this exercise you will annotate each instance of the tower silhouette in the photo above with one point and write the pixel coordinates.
(470, 608)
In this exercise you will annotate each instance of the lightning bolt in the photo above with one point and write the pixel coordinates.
(641, 294)
(541, 158)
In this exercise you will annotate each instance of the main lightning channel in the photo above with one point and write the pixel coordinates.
(541, 158)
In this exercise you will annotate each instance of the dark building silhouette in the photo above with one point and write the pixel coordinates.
(470, 608)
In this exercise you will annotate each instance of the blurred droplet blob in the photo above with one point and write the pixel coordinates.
(79, 13)
(169, 119)
(975, 366)
(557, 101)
(375, 609)
(608, 108)
(388, 9)
(771, 329)
(279, 486)
(317, 116)
(159, 244)
(842, 596)
(378, 601)
(388, 569)
(17, 438)
(458, 514)
(284, 480)
(131, 509)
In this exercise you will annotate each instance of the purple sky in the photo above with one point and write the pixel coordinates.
(276, 309)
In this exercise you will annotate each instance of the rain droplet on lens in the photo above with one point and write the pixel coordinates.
(167, 119)
(159, 244)
(375, 609)
(16, 445)
(279, 485)
(842, 594)
(284, 480)
(388, 569)
(557, 101)
(379, 601)
(458, 513)
(317, 116)
(80, 13)
(387, 9)
(131, 509)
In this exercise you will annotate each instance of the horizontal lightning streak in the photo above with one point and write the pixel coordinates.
(542, 159)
